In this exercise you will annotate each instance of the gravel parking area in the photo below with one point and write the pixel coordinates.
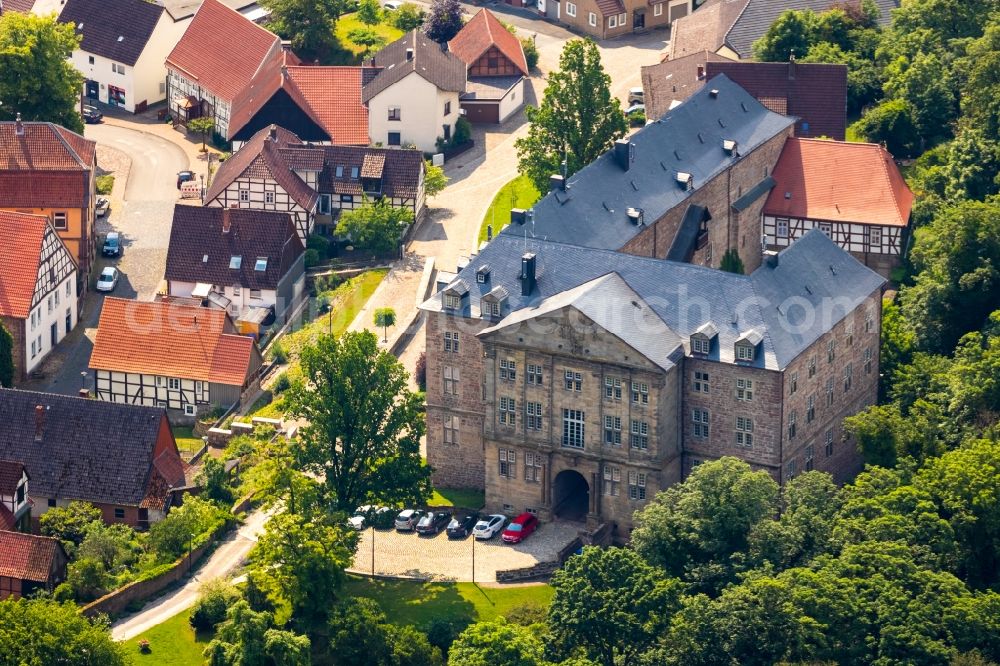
(440, 558)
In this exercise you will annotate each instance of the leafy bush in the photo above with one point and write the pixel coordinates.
(527, 614)
(637, 117)
(319, 243)
(442, 632)
(215, 480)
(530, 52)
(88, 579)
(105, 183)
(312, 258)
(215, 598)
(281, 384)
(891, 123)
(278, 354)
(69, 523)
(408, 17)
(171, 537)
(463, 131)
(240, 446)
(327, 282)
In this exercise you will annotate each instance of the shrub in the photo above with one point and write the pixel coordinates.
(442, 632)
(527, 614)
(215, 480)
(215, 598)
(240, 446)
(105, 183)
(319, 243)
(281, 384)
(171, 537)
(463, 131)
(278, 354)
(327, 282)
(420, 371)
(88, 578)
(530, 52)
(892, 124)
(637, 118)
(312, 258)
(408, 17)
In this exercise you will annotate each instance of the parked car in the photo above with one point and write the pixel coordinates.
(391, 5)
(635, 108)
(433, 523)
(407, 519)
(102, 206)
(91, 114)
(489, 527)
(108, 279)
(383, 518)
(461, 527)
(112, 245)
(520, 528)
(183, 177)
(361, 517)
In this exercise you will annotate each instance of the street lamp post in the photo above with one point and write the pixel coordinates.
(473, 558)
(373, 549)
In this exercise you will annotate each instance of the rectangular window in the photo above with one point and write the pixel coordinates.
(744, 353)
(700, 418)
(831, 351)
(59, 221)
(573, 422)
(868, 361)
(355, 172)
(451, 430)
(447, 108)
(875, 237)
(394, 139)
(810, 408)
(791, 469)
(848, 377)
(534, 373)
(570, 9)
(744, 431)
(451, 378)
(533, 415)
(508, 463)
(339, 171)
(255, 293)
(622, 20)
(532, 467)
(451, 342)
(190, 410)
(173, 384)
(640, 393)
(51, 502)
(612, 388)
(829, 443)
(592, 19)
(56, 294)
(869, 321)
(324, 204)
(395, 113)
(791, 424)
(119, 514)
(347, 198)
(48, 302)
(639, 435)
(826, 228)
(700, 381)
(244, 196)
(269, 197)
(829, 391)
(849, 331)
(658, 9)
(613, 430)
(809, 458)
(744, 389)
(34, 349)
(793, 383)
(812, 366)
(612, 480)
(637, 480)
(90, 60)
(700, 345)
(574, 381)
(508, 407)
(508, 369)
(781, 227)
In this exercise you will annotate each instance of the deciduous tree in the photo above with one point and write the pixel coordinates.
(376, 226)
(309, 24)
(384, 318)
(577, 121)
(790, 34)
(497, 642)
(41, 631)
(443, 20)
(369, 12)
(204, 126)
(364, 424)
(434, 180)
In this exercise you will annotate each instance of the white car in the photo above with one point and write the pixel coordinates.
(489, 527)
(108, 280)
(392, 5)
(360, 518)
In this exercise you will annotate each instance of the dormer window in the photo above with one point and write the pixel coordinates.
(453, 294)
(483, 274)
(492, 303)
(700, 345)
(744, 353)
(354, 173)
(701, 339)
(452, 302)
(746, 346)
(340, 171)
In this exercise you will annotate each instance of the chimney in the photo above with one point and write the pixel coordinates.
(713, 93)
(771, 258)
(701, 72)
(226, 222)
(18, 126)
(556, 182)
(791, 66)
(39, 422)
(284, 73)
(409, 55)
(527, 274)
(273, 133)
(518, 215)
(623, 153)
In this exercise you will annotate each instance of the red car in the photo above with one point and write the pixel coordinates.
(520, 528)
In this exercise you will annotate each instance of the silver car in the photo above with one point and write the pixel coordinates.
(407, 520)
(108, 280)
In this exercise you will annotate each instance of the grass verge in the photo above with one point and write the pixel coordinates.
(463, 497)
(172, 643)
(518, 193)
(407, 602)
(186, 440)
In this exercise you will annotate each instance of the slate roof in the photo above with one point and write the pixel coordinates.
(47, 166)
(89, 450)
(442, 68)
(839, 182)
(200, 251)
(400, 172)
(223, 50)
(21, 236)
(815, 93)
(114, 29)
(674, 81)
(685, 296)
(592, 211)
(480, 33)
(28, 556)
(260, 157)
(11, 472)
(171, 340)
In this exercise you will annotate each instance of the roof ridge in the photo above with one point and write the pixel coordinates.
(55, 130)
(735, 21)
(885, 157)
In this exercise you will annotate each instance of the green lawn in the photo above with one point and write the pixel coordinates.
(352, 52)
(173, 643)
(406, 602)
(463, 497)
(518, 193)
(186, 440)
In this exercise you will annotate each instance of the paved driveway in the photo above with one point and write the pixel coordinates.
(440, 558)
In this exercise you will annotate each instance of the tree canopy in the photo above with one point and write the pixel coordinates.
(376, 226)
(443, 20)
(41, 631)
(309, 24)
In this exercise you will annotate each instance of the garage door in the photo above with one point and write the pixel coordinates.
(482, 113)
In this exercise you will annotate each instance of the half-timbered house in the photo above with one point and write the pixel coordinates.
(250, 262)
(272, 171)
(185, 358)
(852, 192)
(496, 69)
(15, 507)
(38, 280)
(121, 458)
(30, 563)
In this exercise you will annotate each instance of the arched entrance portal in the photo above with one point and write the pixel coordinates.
(570, 496)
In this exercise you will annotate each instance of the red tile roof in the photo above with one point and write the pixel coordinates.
(483, 31)
(333, 96)
(65, 157)
(839, 182)
(27, 556)
(816, 93)
(171, 340)
(21, 235)
(223, 50)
